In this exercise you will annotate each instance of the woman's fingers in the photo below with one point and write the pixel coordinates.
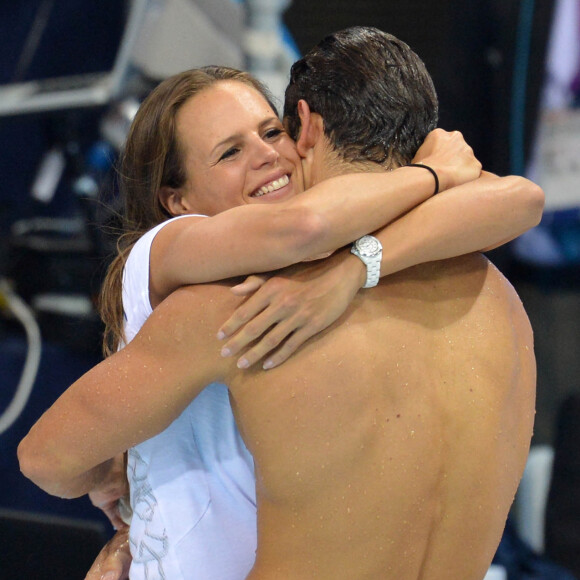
(294, 342)
(247, 311)
(249, 285)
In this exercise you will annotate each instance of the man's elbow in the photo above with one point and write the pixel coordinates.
(37, 465)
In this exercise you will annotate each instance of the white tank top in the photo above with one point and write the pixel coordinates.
(192, 486)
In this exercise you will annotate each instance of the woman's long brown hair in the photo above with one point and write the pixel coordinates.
(152, 159)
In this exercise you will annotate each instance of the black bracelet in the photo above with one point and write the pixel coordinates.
(431, 170)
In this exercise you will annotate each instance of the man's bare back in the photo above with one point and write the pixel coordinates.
(388, 447)
(392, 445)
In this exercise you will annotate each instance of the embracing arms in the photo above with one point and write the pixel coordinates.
(130, 396)
(263, 237)
(476, 216)
(286, 311)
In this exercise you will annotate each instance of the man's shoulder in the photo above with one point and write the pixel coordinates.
(467, 269)
(208, 297)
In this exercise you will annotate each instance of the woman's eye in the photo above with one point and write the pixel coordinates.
(229, 153)
(273, 133)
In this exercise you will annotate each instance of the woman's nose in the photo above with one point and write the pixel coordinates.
(265, 153)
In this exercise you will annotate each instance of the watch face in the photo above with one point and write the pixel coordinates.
(368, 246)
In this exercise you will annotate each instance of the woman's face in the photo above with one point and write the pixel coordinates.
(236, 150)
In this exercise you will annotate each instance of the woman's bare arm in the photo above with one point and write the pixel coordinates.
(475, 216)
(286, 311)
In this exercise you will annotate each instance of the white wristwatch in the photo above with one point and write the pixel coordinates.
(370, 251)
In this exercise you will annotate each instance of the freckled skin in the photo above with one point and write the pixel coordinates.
(392, 446)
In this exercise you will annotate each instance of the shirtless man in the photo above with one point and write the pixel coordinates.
(390, 445)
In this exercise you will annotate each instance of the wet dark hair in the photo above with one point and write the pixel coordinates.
(373, 92)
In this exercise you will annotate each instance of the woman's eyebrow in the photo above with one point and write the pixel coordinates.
(237, 136)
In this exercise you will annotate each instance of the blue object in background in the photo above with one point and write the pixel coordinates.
(58, 369)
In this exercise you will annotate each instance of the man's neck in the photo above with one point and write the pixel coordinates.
(334, 165)
(323, 162)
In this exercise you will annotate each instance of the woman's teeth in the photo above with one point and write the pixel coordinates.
(276, 184)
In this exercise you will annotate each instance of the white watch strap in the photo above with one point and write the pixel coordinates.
(373, 273)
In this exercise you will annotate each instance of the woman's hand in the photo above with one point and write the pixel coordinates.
(290, 307)
(450, 156)
(114, 560)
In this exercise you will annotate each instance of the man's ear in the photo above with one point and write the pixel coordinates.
(311, 128)
(173, 201)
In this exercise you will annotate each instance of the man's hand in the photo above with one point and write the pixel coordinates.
(451, 158)
(114, 560)
(110, 490)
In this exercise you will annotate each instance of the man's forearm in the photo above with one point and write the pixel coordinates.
(42, 475)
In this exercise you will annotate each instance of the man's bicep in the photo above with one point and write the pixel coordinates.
(146, 385)
(181, 336)
(130, 396)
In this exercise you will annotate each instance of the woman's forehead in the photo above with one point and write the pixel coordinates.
(225, 94)
(226, 107)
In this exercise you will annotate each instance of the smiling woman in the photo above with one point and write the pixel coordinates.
(235, 150)
(208, 142)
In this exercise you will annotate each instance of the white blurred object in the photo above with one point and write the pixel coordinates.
(116, 122)
(268, 57)
(19, 309)
(532, 495)
(555, 156)
(50, 172)
(496, 572)
(181, 34)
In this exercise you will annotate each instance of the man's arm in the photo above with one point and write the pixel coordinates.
(130, 396)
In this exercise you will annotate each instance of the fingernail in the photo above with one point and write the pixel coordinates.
(243, 363)
(268, 364)
(221, 335)
(226, 351)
